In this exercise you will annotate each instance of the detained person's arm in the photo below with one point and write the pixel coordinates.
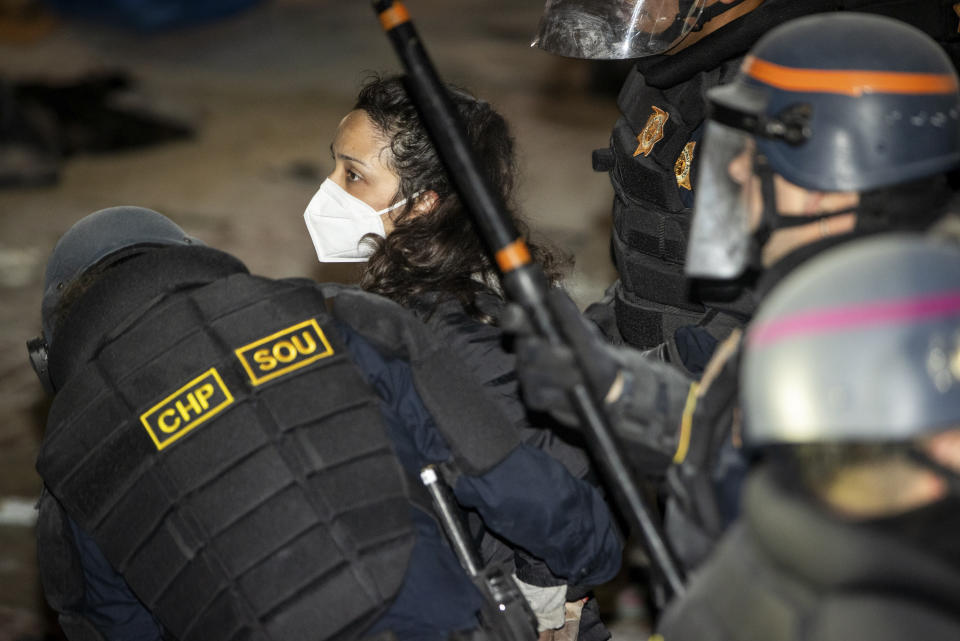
(531, 500)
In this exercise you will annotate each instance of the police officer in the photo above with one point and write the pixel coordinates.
(829, 133)
(233, 457)
(851, 390)
(683, 49)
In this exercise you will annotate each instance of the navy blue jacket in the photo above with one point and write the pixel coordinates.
(528, 498)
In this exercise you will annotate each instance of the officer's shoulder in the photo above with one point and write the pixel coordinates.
(350, 300)
(384, 322)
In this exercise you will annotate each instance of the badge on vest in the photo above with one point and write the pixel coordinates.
(196, 402)
(652, 132)
(284, 352)
(684, 164)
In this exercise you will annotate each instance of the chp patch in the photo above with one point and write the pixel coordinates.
(284, 351)
(196, 402)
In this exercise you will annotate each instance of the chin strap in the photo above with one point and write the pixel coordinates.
(771, 219)
(711, 12)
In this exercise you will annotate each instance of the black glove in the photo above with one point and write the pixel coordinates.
(549, 372)
(645, 408)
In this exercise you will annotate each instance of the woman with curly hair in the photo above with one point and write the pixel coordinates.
(390, 202)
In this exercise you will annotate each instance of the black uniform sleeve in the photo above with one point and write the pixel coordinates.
(528, 498)
(482, 353)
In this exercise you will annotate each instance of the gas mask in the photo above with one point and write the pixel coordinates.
(338, 221)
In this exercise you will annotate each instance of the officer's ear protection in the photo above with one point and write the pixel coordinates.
(40, 360)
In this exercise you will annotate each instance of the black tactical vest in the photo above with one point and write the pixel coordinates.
(213, 436)
(653, 159)
(651, 162)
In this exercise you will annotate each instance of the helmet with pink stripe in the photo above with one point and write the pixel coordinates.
(861, 343)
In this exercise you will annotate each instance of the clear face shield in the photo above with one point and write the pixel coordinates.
(728, 205)
(735, 205)
(615, 29)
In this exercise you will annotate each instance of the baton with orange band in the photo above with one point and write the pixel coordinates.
(523, 280)
(514, 255)
(394, 16)
(443, 123)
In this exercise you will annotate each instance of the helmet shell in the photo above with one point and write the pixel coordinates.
(883, 98)
(861, 343)
(96, 238)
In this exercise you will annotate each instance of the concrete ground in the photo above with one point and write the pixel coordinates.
(265, 89)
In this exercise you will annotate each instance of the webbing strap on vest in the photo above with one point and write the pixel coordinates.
(231, 461)
(645, 324)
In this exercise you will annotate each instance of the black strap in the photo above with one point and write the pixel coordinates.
(650, 278)
(651, 231)
(645, 324)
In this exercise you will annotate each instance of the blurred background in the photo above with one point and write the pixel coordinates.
(219, 114)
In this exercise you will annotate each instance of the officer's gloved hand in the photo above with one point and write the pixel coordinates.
(644, 398)
(549, 372)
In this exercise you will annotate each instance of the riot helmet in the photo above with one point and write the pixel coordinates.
(622, 29)
(101, 238)
(829, 103)
(861, 344)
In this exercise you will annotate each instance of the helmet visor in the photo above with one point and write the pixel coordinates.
(728, 205)
(615, 29)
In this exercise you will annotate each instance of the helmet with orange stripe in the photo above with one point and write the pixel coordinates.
(826, 113)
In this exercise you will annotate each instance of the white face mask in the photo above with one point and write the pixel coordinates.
(337, 221)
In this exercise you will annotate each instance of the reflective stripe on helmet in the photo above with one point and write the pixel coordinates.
(854, 317)
(851, 82)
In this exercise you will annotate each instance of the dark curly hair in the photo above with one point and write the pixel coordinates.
(440, 252)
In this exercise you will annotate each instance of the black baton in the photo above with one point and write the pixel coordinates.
(507, 615)
(523, 280)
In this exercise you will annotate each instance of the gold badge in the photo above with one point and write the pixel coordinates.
(681, 168)
(652, 132)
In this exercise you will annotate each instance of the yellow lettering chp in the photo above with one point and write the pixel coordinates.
(189, 406)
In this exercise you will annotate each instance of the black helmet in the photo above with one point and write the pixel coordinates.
(103, 236)
(861, 343)
(842, 102)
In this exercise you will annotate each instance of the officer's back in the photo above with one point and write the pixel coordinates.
(244, 457)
